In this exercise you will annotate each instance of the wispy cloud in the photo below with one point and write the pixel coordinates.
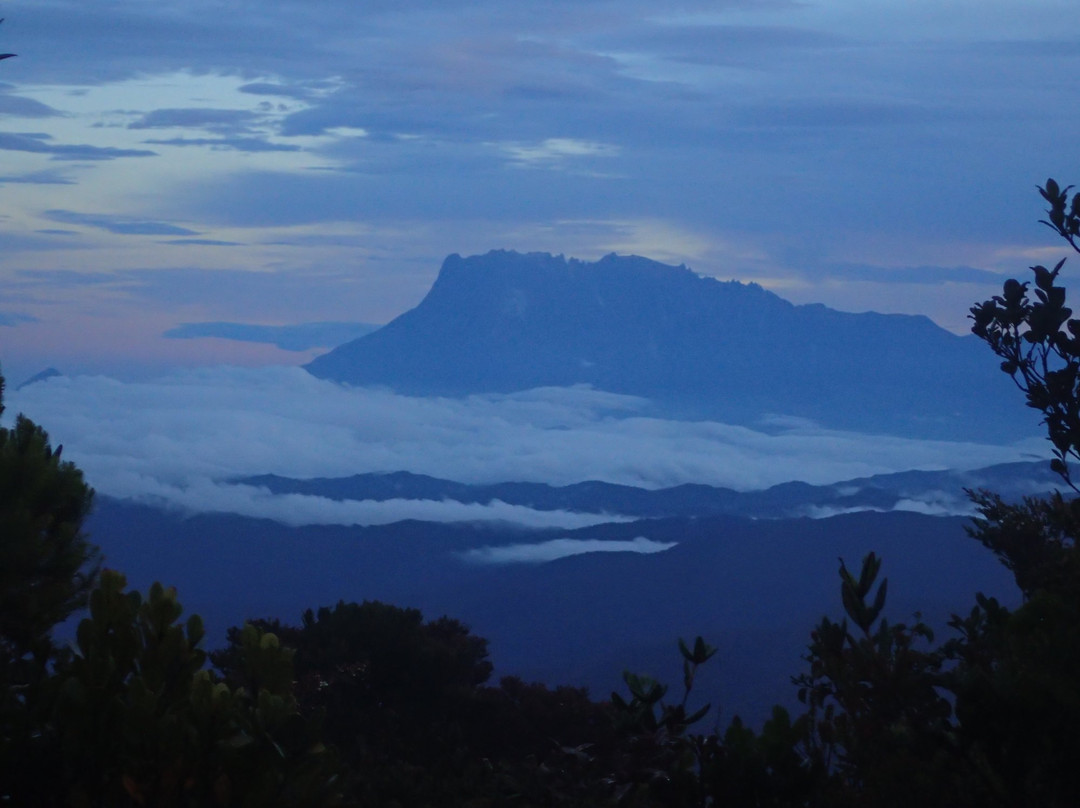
(299, 509)
(242, 144)
(266, 88)
(928, 275)
(282, 296)
(555, 152)
(38, 178)
(10, 318)
(201, 242)
(299, 337)
(224, 121)
(20, 107)
(121, 225)
(41, 143)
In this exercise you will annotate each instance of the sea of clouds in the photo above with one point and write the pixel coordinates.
(182, 439)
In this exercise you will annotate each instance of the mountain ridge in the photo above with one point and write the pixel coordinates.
(937, 491)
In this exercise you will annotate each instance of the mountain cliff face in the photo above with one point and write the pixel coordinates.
(695, 346)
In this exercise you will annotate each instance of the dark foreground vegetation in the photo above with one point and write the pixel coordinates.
(371, 705)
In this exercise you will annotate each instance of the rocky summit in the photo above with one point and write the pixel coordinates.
(693, 346)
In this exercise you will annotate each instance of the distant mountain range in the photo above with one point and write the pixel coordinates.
(755, 588)
(695, 346)
(936, 492)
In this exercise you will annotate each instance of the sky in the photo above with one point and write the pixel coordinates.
(284, 163)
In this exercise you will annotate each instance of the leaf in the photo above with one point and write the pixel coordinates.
(703, 652)
(697, 715)
(879, 600)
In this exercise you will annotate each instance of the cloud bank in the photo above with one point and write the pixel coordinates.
(181, 438)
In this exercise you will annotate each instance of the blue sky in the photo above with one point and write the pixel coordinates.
(288, 162)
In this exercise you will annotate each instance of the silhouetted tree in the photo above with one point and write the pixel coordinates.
(1033, 332)
(128, 716)
(1016, 675)
(137, 720)
(47, 568)
(394, 692)
(47, 565)
(878, 723)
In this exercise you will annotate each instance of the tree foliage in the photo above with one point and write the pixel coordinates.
(47, 569)
(1017, 679)
(139, 721)
(47, 565)
(131, 717)
(876, 718)
(1034, 333)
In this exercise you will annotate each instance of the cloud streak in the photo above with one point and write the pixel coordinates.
(302, 509)
(40, 143)
(931, 276)
(12, 318)
(299, 337)
(222, 121)
(20, 107)
(542, 552)
(120, 225)
(241, 144)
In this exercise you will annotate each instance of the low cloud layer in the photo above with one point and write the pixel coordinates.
(302, 509)
(561, 548)
(180, 438)
(930, 503)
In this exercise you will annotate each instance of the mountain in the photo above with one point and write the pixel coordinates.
(755, 588)
(938, 492)
(694, 346)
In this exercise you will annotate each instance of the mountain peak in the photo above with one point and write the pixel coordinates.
(695, 346)
(507, 263)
